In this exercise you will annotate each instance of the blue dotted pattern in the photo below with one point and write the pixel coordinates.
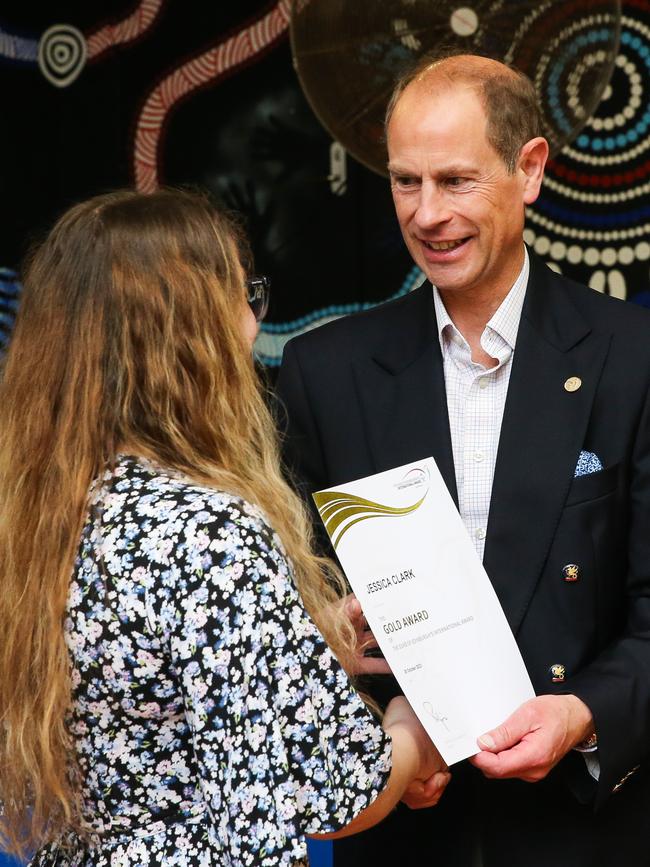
(18, 48)
(586, 40)
(413, 278)
(631, 42)
(584, 218)
(9, 300)
(282, 330)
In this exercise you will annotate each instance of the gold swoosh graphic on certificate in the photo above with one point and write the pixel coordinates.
(336, 507)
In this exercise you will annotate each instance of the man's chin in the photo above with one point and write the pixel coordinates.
(446, 279)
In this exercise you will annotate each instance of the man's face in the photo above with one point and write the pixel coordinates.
(460, 212)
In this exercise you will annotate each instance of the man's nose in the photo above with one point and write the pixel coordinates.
(433, 207)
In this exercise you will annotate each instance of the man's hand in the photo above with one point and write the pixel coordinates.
(362, 664)
(534, 738)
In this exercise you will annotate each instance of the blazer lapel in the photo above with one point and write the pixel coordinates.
(401, 391)
(542, 433)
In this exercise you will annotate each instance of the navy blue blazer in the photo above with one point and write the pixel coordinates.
(366, 393)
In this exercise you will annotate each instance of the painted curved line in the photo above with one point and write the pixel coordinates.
(273, 336)
(26, 50)
(124, 31)
(18, 48)
(203, 69)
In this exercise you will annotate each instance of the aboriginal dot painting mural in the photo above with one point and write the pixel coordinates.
(592, 220)
(181, 92)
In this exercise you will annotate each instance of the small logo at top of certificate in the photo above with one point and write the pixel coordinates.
(416, 477)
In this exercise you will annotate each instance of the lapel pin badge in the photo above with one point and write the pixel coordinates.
(573, 383)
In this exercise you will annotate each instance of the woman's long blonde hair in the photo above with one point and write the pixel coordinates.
(129, 333)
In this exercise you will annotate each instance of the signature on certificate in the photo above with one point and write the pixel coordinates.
(437, 716)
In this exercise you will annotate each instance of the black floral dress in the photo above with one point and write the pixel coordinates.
(212, 723)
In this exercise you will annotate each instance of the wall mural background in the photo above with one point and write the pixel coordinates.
(98, 96)
(163, 91)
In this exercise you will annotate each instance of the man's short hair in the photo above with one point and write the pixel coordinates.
(508, 97)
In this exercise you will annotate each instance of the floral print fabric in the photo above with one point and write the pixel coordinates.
(213, 725)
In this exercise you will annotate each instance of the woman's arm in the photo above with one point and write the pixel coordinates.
(418, 773)
(284, 745)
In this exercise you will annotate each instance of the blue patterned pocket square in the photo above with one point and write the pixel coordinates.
(588, 462)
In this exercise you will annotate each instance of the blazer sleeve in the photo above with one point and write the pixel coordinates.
(302, 448)
(616, 685)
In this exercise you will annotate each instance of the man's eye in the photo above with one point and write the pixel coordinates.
(405, 181)
(456, 181)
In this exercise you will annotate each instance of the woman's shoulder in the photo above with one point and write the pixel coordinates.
(136, 484)
(148, 520)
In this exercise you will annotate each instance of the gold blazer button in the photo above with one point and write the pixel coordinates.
(573, 383)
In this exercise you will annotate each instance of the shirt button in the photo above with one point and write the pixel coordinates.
(458, 340)
(479, 456)
(483, 382)
(479, 533)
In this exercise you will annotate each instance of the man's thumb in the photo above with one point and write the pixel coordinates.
(487, 742)
(503, 737)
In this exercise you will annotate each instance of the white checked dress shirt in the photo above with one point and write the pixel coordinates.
(476, 397)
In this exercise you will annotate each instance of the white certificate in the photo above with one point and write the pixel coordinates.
(428, 601)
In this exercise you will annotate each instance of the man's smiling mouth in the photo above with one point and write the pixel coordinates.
(439, 246)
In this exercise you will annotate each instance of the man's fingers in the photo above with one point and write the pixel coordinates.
(503, 737)
(525, 761)
(509, 733)
(534, 738)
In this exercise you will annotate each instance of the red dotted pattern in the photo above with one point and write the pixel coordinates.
(620, 179)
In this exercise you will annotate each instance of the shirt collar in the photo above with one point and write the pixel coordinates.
(505, 321)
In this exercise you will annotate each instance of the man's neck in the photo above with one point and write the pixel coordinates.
(470, 310)
(470, 317)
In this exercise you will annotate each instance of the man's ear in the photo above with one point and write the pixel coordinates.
(532, 159)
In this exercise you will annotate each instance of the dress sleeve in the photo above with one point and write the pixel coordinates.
(284, 744)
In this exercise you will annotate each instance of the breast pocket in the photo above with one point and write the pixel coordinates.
(593, 485)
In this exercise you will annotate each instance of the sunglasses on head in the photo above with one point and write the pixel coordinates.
(257, 289)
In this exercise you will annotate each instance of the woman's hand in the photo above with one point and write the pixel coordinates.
(430, 773)
(418, 774)
(428, 793)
